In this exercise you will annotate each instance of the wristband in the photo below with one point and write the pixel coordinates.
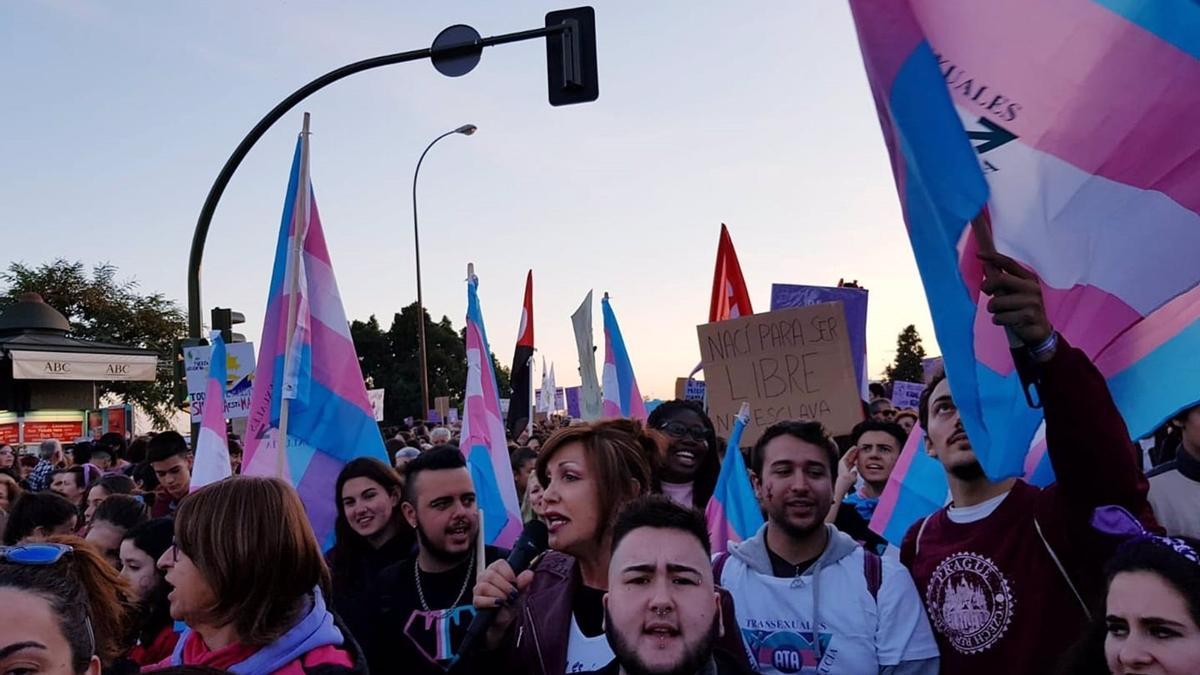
(1048, 345)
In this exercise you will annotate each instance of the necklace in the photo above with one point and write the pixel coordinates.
(462, 591)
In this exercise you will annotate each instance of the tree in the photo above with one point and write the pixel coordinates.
(101, 308)
(909, 353)
(391, 361)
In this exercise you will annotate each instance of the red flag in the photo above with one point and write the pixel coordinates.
(730, 299)
(518, 407)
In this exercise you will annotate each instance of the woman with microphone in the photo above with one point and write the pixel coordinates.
(553, 614)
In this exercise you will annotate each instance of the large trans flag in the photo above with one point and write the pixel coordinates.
(1079, 138)
(307, 378)
(733, 513)
(622, 398)
(483, 441)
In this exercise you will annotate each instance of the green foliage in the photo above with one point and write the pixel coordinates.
(100, 307)
(390, 361)
(909, 353)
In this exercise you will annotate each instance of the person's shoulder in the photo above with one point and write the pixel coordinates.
(554, 563)
(325, 660)
(393, 575)
(1164, 468)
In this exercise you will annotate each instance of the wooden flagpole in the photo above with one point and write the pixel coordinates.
(301, 216)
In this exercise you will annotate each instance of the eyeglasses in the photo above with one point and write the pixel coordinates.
(679, 430)
(34, 554)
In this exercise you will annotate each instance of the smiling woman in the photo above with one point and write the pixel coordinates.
(370, 533)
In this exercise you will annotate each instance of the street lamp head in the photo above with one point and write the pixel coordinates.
(466, 129)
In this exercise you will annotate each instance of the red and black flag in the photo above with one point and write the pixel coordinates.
(518, 403)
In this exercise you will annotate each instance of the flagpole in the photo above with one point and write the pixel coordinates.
(303, 203)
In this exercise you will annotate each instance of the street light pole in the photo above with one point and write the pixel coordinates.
(465, 130)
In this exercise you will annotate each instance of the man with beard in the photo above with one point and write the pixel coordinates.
(424, 604)
(808, 598)
(662, 610)
(1009, 571)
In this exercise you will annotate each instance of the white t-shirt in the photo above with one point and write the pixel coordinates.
(680, 493)
(856, 633)
(973, 514)
(586, 654)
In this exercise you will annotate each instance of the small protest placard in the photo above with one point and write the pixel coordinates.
(791, 364)
(687, 389)
(376, 397)
(906, 394)
(239, 367)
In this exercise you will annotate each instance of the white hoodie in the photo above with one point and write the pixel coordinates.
(854, 633)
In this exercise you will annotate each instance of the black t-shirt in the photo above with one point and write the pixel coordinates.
(406, 638)
(588, 607)
(786, 570)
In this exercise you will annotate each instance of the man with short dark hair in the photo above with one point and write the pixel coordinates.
(171, 459)
(425, 604)
(1009, 571)
(876, 448)
(662, 611)
(808, 598)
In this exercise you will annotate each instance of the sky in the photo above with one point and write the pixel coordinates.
(118, 117)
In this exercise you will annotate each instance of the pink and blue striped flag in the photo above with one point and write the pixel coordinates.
(483, 442)
(212, 445)
(329, 417)
(621, 395)
(733, 512)
(1078, 137)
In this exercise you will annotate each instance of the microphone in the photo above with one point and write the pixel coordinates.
(533, 541)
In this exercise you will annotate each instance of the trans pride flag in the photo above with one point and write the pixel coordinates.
(733, 513)
(621, 395)
(483, 441)
(1072, 121)
(329, 417)
(212, 445)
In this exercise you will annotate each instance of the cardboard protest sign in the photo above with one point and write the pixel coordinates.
(442, 405)
(906, 394)
(791, 364)
(687, 389)
(854, 303)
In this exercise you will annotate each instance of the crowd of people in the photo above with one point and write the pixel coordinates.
(113, 564)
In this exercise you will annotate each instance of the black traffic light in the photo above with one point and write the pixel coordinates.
(223, 319)
(571, 57)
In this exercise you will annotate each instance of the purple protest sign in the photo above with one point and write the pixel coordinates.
(854, 301)
(434, 416)
(573, 410)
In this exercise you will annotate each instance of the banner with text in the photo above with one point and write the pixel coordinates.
(906, 394)
(854, 304)
(239, 372)
(791, 364)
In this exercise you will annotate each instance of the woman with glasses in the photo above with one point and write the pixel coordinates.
(8, 461)
(589, 473)
(64, 611)
(691, 464)
(248, 578)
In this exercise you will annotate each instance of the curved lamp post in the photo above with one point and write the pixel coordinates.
(465, 130)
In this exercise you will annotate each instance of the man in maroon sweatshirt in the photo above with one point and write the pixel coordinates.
(1009, 572)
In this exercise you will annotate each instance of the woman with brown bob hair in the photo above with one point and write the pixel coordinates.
(553, 614)
(249, 580)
